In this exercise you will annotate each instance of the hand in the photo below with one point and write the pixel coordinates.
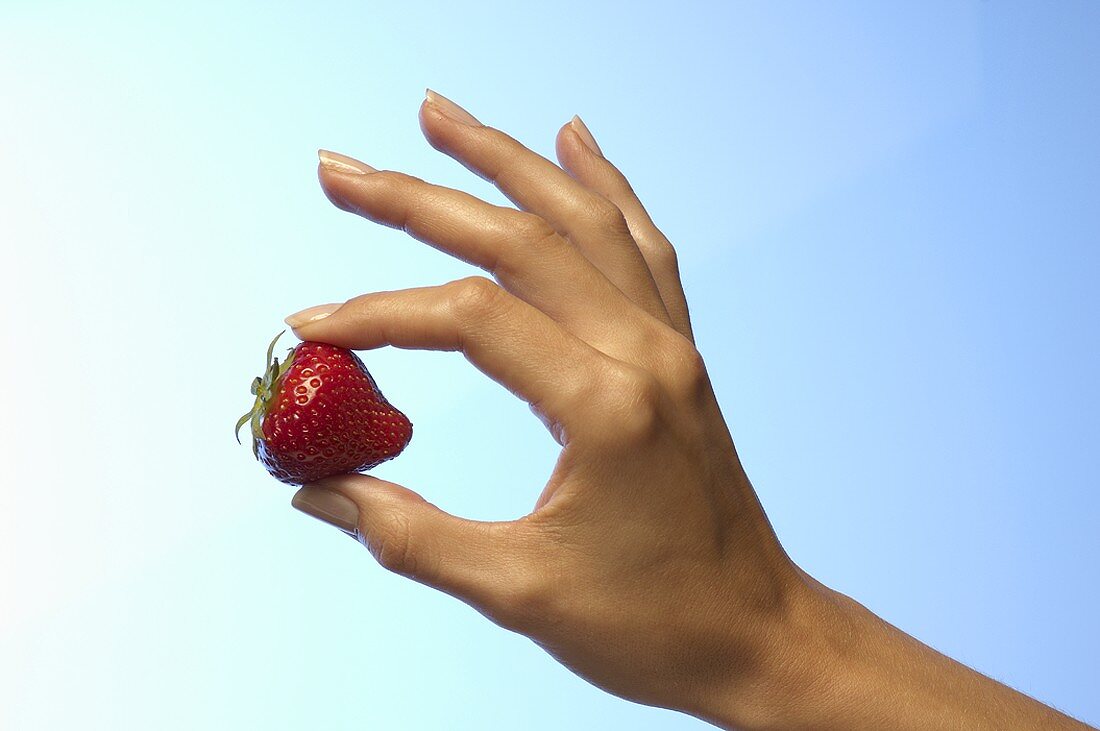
(647, 565)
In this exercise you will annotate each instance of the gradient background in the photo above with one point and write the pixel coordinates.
(887, 219)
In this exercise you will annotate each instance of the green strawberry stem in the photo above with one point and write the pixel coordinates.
(264, 389)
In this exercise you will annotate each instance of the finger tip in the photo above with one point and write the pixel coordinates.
(294, 329)
(432, 125)
(584, 136)
(300, 496)
(325, 176)
(337, 189)
(568, 146)
(423, 118)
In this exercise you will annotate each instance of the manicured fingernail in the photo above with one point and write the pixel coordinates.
(450, 109)
(328, 506)
(586, 136)
(311, 314)
(343, 164)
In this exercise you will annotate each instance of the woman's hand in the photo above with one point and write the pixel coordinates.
(647, 565)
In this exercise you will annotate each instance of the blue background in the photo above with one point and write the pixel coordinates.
(887, 221)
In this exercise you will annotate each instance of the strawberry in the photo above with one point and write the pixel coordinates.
(320, 414)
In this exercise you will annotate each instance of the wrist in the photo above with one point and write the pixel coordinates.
(833, 664)
(805, 664)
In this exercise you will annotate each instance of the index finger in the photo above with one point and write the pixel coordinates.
(510, 341)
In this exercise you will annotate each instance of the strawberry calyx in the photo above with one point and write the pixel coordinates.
(264, 389)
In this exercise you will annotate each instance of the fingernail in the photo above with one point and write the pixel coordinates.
(328, 506)
(450, 109)
(343, 164)
(311, 314)
(586, 136)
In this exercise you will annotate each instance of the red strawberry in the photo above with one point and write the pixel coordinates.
(320, 414)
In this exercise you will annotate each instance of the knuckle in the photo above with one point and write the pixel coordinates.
(662, 254)
(634, 408)
(393, 548)
(474, 298)
(528, 235)
(624, 186)
(359, 301)
(403, 186)
(687, 371)
(530, 604)
(605, 214)
(533, 594)
(642, 390)
(532, 229)
(405, 180)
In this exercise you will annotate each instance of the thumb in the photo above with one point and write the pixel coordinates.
(409, 536)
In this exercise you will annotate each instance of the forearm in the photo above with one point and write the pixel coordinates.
(844, 668)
